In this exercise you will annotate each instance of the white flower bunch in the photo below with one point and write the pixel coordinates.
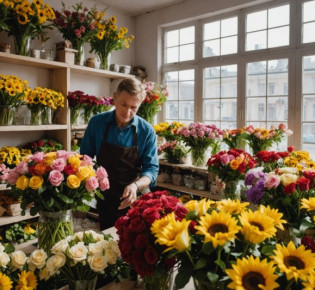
(87, 251)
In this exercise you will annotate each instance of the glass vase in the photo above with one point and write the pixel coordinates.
(53, 227)
(46, 116)
(86, 116)
(159, 281)
(74, 116)
(6, 115)
(79, 56)
(22, 44)
(205, 285)
(36, 118)
(83, 284)
(231, 189)
(198, 156)
(105, 61)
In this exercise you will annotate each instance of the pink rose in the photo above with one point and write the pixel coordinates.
(62, 154)
(4, 176)
(55, 177)
(12, 177)
(2, 167)
(22, 168)
(272, 181)
(101, 173)
(104, 184)
(87, 160)
(91, 184)
(58, 164)
(282, 126)
(225, 159)
(38, 157)
(201, 133)
(250, 129)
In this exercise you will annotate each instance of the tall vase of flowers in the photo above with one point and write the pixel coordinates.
(168, 130)
(75, 101)
(56, 182)
(108, 39)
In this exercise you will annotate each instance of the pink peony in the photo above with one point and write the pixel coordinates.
(91, 184)
(272, 181)
(104, 184)
(101, 173)
(58, 164)
(55, 177)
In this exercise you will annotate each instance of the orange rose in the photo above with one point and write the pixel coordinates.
(40, 168)
(234, 164)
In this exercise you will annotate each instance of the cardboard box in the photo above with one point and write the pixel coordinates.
(66, 55)
(14, 209)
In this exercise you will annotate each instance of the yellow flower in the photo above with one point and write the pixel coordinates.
(22, 19)
(308, 204)
(83, 173)
(36, 182)
(73, 181)
(288, 178)
(5, 282)
(310, 283)
(22, 182)
(27, 281)
(113, 19)
(200, 207)
(50, 157)
(217, 228)
(232, 206)
(274, 214)
(296, 263)
(74, 161)
(29, 230)
(252, 273)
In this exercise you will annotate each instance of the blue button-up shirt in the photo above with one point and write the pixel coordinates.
(146, 139)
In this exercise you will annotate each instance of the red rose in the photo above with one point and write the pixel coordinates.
(291, 149)
(180, 212)
(309, 174)
(133, 212)
(150, 255)
(303, 183)
(41, 143)
(274, 157)
(143, 269)
(150, 215)
(31, 170)
(126, 251)
(137, 225)
(242, 167)
(263, 156)
(68, 170)
(283, 154)
(141, 241)
(289, 189)
(251, 163)
(120, 223)
(169, 262)
(309, 243)
(192, 227)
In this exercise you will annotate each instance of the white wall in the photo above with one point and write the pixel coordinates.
(148, 27)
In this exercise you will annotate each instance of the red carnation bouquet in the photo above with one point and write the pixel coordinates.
(137, 243)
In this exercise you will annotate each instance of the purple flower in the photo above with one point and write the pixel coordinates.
(255, 193)
(249, 180)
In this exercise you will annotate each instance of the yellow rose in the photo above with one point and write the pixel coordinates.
(288, 178)
(83, 173)
(22, 182)
(74, 161)
(73, 181)
(50, 157)
(36, 182)
(92, 172)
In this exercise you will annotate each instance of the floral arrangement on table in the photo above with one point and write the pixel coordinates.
(75, 101)
(11, 156)
(282, 189)
(39, 101)
(78, 26)
(231, 167)
(168, 130)
(199, 137)
(137, 243)
(260, 139)
(83, 256)
(108, 38)
(12, 93)
(54, 183)
(173, 151)
(155, 95)
(27, 20)
(300, 160)
(234, 139)
(104, 104)
(89, 106)
(43, 145)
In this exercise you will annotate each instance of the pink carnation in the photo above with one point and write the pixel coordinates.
(55, 177)
(225, 159)
(91, 184)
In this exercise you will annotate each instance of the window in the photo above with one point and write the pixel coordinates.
(220, 37)
(268, 28)
(308, 22)
(220, 96)
(180, 45)
(180, 103)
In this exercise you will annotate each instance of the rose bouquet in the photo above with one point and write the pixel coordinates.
(43, 145)
(136, 242)
(231, 166)
(199, 137)
(260, 139)
(83, 256)
(89, 106)
(75, 101)
(235, 139)
(173, 152)
(168, 130)
(11, 156)
(104, 104)
(270, 160)
(156, 95)
(4, 172)
(12, 93)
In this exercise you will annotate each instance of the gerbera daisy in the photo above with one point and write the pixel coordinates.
(274, 214)
(218, 228)
(308, 204)
(296, 263)
(252, 274)
(257, 226)
(232, 206)
(5, 282)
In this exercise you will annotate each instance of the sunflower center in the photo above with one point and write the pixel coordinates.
(259, 226)
(218, 228)
(251, 280)
(292, 261)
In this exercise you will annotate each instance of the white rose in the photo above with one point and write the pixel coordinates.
(4, 259)
(292, 170)
(111, 257)
(2, 248)
(114, 246)
(288, 178)
(37, 259)
(18, 259)
(78, 235)
(96, 248)
(78, 252)
(55, 262)
(44, 274)
(60, 246)
(97, 262)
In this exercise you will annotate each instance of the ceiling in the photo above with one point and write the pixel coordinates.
(138, 7)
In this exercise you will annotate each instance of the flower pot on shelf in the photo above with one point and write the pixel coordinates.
(83, 284)
(80, 55)
(6, 115)
(36, 118)
(46, 116)
(198, 156)
(22, 44)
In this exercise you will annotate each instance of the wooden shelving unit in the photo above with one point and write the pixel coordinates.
(26, 247)
(6, 220)
(202, 169)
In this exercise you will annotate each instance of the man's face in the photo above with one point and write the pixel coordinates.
(127, 106)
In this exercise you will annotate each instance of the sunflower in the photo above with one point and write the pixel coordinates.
(27, 280)
(310, 283)
(232, 206)
(257, 226)
(296, 263)
(251, 274)
(5, 282)
(200, 207)
(113, 19)
(274, 214)
(218, 228)
(23, 19)
(308, 204)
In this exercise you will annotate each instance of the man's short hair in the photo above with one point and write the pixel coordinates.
(132, 86)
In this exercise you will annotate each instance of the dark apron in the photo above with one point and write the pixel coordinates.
(123, 167)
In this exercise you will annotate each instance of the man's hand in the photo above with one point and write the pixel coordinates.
(129, 195)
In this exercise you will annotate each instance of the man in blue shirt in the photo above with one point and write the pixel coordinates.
(125, 145)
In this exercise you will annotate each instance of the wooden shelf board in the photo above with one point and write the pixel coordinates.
(78, 127)
(184, 166)
(18, 128)
(4, 187)
(31, 61)
(184, 189)
(26, 246)
(6, 220)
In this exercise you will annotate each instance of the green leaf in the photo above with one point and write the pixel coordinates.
(33, 210)
(42, 189)
(213, 278)
(201, 263)
(268, 250)
(182, 278)
(49, 203)
(83, 207)
(191, 215)
(305, 225)
(221, 264)
(99, 195)
(64, 198)
(207, 248)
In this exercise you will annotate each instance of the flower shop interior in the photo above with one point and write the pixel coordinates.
(228, 95)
